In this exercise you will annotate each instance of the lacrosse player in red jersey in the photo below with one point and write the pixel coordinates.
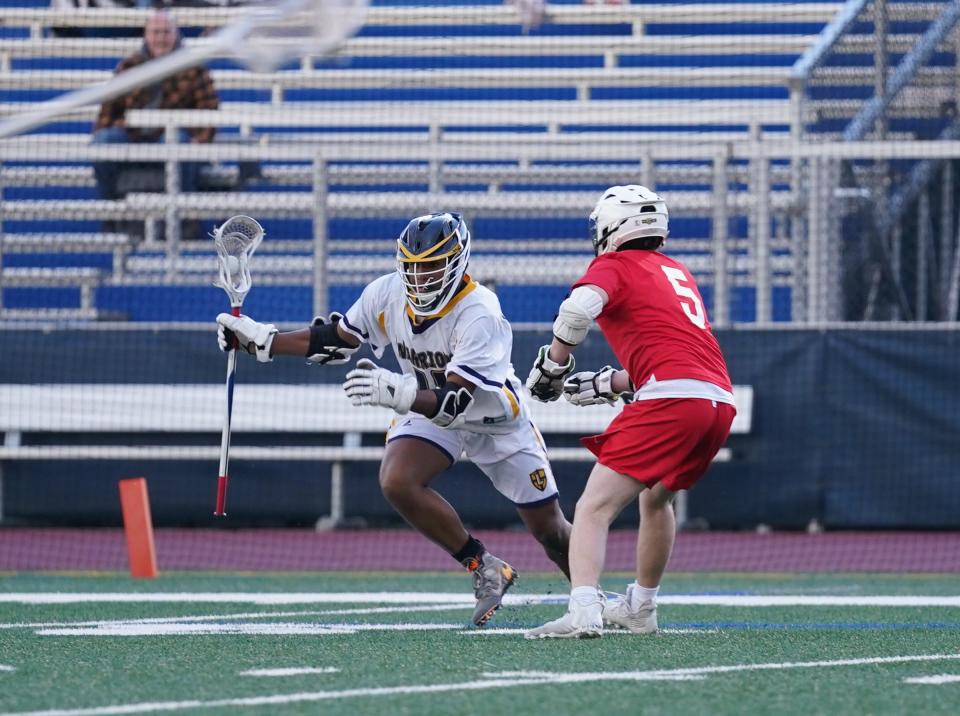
(651, 313)
(457, 394)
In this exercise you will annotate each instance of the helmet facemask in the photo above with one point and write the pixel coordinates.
(430, 279)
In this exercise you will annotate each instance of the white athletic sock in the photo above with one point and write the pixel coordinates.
(584, 596)
(639, 595)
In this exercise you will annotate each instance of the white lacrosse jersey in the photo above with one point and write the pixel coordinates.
(469, 337)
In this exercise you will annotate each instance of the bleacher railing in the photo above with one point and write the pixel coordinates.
(806, 268)
(793, 191)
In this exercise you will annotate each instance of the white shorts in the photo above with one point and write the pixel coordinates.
(516, 462)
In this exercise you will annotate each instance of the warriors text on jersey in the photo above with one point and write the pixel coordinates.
(655, 321)
(469, 337)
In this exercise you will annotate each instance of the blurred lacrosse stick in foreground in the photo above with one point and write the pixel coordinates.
(236, 240)
(264, 38)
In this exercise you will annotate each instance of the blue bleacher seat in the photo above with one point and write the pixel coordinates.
(532, 302)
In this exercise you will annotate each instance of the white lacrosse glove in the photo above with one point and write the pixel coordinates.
(252, 337)
(591, 387)
(368, 384)
(545, 381)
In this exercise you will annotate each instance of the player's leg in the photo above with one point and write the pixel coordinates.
(550, 528)
(516, 463)
(658, 528)
(417, 451)
(702, 428)
(705, 426)
(606, 494)
(409, 466)
(637, 609)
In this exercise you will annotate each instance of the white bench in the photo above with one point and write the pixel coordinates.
(453, 173)
(420, 146)
(259, 409)
(116, 244)
(638, 15)
(505, 269)
(476, 113)
(199, 205)
(84, 278)
(611, 46)
(582, 79)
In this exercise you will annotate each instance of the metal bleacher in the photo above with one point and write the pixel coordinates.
(520, 132)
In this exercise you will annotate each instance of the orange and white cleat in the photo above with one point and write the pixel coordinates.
(492, 577)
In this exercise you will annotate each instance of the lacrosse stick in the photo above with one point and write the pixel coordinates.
(236, 240)
(264, 39)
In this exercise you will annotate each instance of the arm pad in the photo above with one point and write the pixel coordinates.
(453, 400)
(576, 315)
(326, 344)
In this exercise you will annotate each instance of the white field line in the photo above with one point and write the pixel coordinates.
(936, 680)
(492, 681)
(748, 600)
(498, 631)
(270, 628)
(465, 599)
(188, 628)
(399, 610)
(4, 667)
(274, 598)
(292, 671)
(245, 615)
(706, 670)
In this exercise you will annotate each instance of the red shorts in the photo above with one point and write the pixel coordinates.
(671, 440)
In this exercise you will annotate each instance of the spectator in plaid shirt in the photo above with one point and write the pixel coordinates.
(189, 89)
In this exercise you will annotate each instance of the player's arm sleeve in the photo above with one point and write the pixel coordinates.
(604, 272)
(482, 352)
(365, 319)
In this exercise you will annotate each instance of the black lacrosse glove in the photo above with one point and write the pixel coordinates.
(545, 381)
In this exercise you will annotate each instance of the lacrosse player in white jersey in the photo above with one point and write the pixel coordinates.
(457, 394)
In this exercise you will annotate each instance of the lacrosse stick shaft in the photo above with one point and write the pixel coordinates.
(223, 42)
(221, 508)
(139, 76)
(228, 41)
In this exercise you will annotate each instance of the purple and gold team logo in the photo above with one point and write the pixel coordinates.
(538, 478)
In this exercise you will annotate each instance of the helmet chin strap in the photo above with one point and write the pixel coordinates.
(419, 317)
(448, 288)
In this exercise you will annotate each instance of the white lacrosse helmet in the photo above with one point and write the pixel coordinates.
(625, 213)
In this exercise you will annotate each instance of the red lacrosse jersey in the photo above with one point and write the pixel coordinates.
(655, 321)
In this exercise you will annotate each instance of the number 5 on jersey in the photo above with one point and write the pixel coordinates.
(694, 312)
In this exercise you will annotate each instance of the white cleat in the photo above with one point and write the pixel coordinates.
(642, 620)
(580, 622)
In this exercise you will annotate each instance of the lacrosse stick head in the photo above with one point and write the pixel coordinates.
(289, 29)
(236, 239)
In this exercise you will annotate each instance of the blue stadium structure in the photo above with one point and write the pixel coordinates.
(449, 104)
